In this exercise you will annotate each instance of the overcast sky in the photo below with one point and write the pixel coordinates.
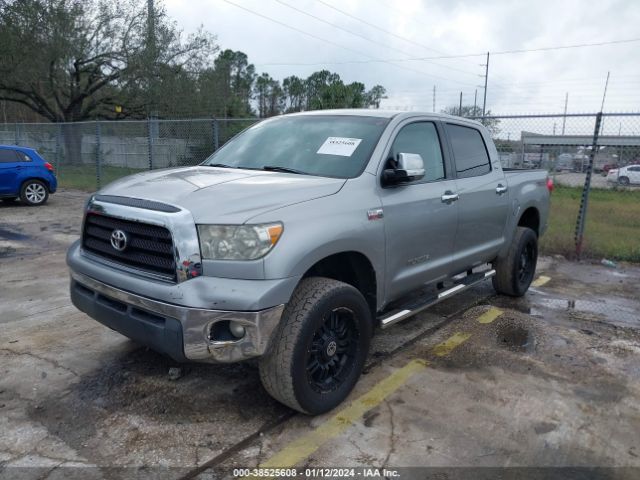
(518, 83)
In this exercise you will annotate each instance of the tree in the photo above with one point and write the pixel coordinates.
(469, 111)
(295, 93)
(324, 89)
(67, 59)
(226, 89)
(270, 96)
(375, 95)
(72, 60)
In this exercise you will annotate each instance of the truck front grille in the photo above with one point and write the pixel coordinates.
(146, 247)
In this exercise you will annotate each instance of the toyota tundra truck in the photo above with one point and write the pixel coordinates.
(299, 237)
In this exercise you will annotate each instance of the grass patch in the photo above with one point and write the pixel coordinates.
(84, 177)
(612, 228)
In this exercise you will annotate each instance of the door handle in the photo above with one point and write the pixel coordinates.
(500, 189)
(449, 197)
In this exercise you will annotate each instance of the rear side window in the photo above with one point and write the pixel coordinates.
(421, 138)
(469, 151)
(9, 156)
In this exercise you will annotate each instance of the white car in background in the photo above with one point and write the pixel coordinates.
(624, 175)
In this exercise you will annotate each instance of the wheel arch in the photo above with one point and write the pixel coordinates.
(351, 267)
(32, 177)
(530, 218)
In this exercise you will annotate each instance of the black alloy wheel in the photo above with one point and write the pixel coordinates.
(333, 348)
(527, 266)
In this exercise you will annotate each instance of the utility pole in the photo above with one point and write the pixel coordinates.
(460, 107)
(564, 119)
(434, 99)
(151, 54)
(475, 101)
(604, 96)
(486, 78)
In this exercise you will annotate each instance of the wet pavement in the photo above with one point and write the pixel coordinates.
(551, 379)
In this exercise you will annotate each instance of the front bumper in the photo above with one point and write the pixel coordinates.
(178, 331)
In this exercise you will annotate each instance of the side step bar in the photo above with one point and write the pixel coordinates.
(412, 309)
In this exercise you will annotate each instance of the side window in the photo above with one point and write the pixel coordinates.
(22, 157)
(421, 138)
(9, 156)
(469, 151)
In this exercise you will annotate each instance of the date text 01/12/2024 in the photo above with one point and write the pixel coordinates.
(315, 473)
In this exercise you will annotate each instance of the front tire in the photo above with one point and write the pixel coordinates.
(515, 272)
(318, 352)
(623, 181)
(34, 193)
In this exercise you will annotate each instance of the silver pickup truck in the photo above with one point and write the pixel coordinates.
(300, 236)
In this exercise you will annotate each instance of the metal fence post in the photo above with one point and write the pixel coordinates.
(582, 213)
(150, 142)
(215, 130)
(17, 134)
(57, 154)
(98, 157)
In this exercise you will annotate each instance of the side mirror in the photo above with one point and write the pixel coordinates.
(409, 167)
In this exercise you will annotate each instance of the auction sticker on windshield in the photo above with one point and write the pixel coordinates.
(339, 146)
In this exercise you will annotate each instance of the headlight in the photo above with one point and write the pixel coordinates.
(238, 242)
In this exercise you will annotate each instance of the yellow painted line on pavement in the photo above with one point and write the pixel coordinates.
(490, 315)
(304, 446)
(540, 281)
(299, 449)
(446, 347)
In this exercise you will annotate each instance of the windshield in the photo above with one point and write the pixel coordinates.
(323, 145)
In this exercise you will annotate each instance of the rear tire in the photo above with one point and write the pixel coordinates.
(318, 352)
(623, 181)
(515, 271)
(34, 193)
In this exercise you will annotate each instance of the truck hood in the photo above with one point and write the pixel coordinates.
(223, 195)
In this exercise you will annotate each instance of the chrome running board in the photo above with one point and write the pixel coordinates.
(418, 306)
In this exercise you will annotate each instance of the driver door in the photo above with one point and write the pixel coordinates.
(420, 225)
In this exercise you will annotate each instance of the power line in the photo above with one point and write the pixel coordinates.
(350, 32)
(388, 32)
(303, 32)
(377, 27)
(467, 55)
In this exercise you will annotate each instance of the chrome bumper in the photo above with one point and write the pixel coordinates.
(196, 323)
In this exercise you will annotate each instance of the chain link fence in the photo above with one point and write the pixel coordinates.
(594, 213)
(88, 155)
(595, 208)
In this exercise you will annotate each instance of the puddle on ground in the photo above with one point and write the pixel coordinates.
(515, 337)
(9, 235)
(617, 311)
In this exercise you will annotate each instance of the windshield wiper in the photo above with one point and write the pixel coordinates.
(275, 168)
(221, 165)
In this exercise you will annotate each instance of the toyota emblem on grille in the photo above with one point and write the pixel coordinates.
(119, 240)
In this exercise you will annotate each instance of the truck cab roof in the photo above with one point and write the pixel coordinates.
(400, 115)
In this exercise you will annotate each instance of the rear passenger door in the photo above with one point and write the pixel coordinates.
(483, 199)
(10, 165)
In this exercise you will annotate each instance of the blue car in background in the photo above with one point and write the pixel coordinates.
(25, 174)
